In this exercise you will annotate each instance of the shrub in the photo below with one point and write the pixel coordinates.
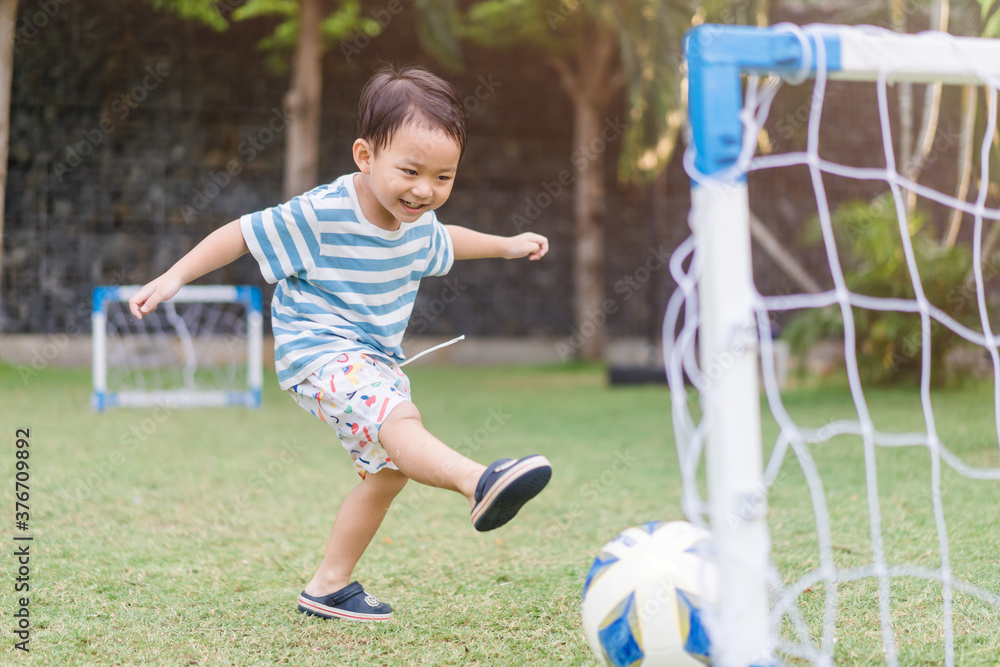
(889, 343)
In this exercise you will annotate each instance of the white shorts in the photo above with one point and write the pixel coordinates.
(354, 394)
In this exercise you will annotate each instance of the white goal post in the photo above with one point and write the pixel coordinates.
(713, 329)
(200, 349)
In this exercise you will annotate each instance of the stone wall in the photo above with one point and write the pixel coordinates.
(124, 121)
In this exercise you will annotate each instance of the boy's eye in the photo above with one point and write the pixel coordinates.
(444, 178)
(410, 172)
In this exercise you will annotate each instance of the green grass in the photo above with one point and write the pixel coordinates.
(183, 538)
(965, 424)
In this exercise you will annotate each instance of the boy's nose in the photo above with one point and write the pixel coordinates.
(422, 190)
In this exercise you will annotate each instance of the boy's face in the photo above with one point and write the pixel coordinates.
(413, 174)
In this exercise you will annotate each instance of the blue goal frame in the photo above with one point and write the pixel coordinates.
(248, 295)
(717, 58)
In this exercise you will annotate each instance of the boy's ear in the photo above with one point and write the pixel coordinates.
(363, 154)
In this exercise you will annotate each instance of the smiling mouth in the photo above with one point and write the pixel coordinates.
(410, 205)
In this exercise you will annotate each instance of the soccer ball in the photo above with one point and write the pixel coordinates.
(644, 595)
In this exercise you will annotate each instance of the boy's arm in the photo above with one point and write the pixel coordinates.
(470, 244)
(221, 247)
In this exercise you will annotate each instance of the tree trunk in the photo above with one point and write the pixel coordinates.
(967, 138)
(994, 234)
(588, 207)
(785, 260)
(591, 87)
(302, 104)
(904, 92)
(8, 28)
(763, 13)
(594, 83)
(940, 12)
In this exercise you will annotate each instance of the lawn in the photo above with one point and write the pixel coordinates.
(183, 537)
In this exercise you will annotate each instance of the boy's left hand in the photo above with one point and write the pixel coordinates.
(529, 244)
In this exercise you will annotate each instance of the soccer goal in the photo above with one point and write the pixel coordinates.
(718, 324)
(200, 349)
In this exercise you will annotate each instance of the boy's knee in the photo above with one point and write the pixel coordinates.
(386, 482)
(401, 412)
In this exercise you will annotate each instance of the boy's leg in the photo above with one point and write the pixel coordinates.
(495, 492)
(425, 459)
(357, 521)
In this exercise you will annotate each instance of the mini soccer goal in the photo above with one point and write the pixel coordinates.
(200, 349)
(717, 322)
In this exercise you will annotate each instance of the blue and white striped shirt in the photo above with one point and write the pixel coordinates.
(344, 285)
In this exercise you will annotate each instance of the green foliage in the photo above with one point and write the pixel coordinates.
(279, 44)
(255, 8)
(651, 34)
(547, 25)
(207, 12)
(889, 343)
(745, 12)
(282, 41)
(991, 17)
(439, 31)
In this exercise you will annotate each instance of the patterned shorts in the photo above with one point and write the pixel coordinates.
(354, 394)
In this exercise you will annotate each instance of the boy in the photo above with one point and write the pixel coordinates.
(347, 258)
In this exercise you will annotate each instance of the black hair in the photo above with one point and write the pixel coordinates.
(394, 97)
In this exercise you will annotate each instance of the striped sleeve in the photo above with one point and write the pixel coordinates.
(441, 254)
(283, 239)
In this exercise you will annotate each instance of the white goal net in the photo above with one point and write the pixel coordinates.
(738, 461)
(200, 349)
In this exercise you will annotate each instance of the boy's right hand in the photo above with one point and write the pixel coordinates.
(149, 297)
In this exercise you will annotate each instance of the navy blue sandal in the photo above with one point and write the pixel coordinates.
(505, 487)
(350, 602)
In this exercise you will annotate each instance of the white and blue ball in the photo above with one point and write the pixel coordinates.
(645, 595)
